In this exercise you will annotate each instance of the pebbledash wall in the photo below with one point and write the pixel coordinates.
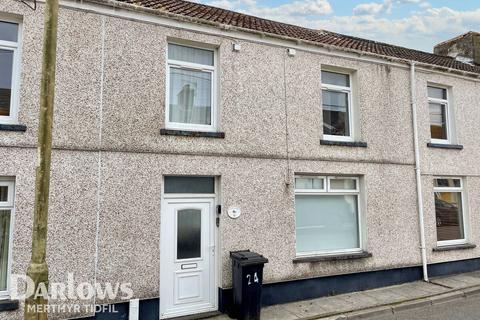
(109, 157)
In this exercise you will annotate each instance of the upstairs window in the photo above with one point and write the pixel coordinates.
(439, 110)
(191, 88)
(9, 38)
(450, 211)
(337, 106)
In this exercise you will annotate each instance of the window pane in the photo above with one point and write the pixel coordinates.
(6, 68)
(4, 244)
(337, 79)
(189, 185)
(190, 96)
(449, 215)
(335, 113)
(189, 233)
(437, 93)
(438, 121)
(309, 183)
(448, 183)
(326, 223)
(3, 193)
(8, 31)
(188, 54)
(343, 184)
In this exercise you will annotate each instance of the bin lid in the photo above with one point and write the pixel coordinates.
(247, 257)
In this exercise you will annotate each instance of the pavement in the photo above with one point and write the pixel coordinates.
(461, 309)
(384, 303)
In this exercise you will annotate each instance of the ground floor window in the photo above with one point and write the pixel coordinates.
(450, 211)
(327, 215)
(6, 209)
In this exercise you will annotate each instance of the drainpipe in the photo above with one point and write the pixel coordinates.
(418, 175)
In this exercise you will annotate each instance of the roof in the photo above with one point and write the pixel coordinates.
(209, 14)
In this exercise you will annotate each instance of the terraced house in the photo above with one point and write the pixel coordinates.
(183, 132)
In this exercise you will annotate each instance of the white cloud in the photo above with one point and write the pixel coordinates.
(373, 8)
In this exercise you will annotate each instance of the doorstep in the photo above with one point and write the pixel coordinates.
(376, 302)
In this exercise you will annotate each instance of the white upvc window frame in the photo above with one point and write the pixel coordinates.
(461, 190)
(448, 113)
(327, 190)
(194, 67)
(349, 92)
(9, 205)
(15, 48)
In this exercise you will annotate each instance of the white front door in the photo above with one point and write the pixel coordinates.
(187, 257)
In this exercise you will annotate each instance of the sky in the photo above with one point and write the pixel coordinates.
(417, 24)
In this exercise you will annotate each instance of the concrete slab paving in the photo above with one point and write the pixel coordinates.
(369, 303)
(458, 281)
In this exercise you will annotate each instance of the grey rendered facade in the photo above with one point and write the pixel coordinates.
(109, 158)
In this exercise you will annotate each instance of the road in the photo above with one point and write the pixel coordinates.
(461, 309)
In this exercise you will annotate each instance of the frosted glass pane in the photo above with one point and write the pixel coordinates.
(190, 96)
(326, 223)
(4, 244)
(337, 79)
(343, 184)
(309, 183)
(189, 234)
(437, 93)
(8, 31)
(449, 216)
(188, 54)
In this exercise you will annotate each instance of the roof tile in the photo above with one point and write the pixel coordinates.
(236, 19)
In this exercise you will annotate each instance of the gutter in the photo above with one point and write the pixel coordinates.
(418, 172)
(115, 5)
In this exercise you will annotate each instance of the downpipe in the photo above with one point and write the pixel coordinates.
(418, 173)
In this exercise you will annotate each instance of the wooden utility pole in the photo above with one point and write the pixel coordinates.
(36, 306)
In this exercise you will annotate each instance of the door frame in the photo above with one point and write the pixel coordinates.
(215, 261)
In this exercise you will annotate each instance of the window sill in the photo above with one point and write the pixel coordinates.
(354, 144)
(186, 133)
(8, 305)
(455, 247)
(13, 127)
(336, 257)
(445, 146)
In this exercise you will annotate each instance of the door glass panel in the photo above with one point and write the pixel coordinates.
(189, 234)
(4, 243)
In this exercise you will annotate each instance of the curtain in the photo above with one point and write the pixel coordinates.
(190, 96)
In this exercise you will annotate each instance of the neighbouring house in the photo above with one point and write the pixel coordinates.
(183, 132)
